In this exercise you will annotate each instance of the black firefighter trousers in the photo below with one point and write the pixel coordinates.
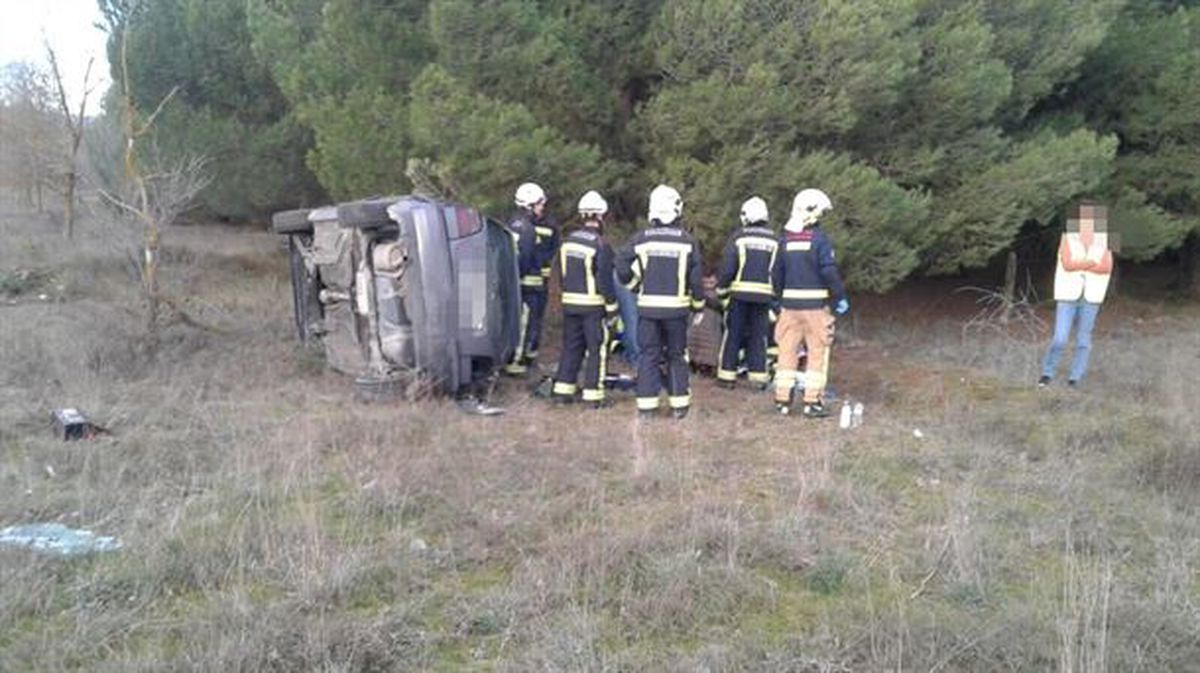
(584, 334)
(663, 346)
(746, 327)
(533, 309)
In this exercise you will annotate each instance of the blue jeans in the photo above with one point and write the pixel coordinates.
(627, 302)
(1064, 317)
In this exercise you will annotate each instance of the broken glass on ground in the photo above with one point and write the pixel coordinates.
(56, 538)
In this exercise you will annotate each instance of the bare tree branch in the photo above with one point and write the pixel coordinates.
(118, 202)
(75, 128)
(174, 187)
(156, 190)
(149, 122)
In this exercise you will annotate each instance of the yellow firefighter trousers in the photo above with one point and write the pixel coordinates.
(814, 329)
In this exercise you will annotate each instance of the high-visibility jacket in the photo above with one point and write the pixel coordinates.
(1086, 285)
(747, 265)
(547, 238)
(523, 229)
(662, 263)
(586, 265)
(806, 275)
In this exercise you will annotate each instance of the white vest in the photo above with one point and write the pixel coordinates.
(1086, 285)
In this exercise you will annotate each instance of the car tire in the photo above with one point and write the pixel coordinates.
(369, 214)
(306, 290)
(292, 222)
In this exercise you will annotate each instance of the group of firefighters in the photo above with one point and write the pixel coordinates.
(790, 280)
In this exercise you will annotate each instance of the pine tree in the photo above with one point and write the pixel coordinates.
(493, 146)
(1143, 84)
(942, 130)
(228, 106)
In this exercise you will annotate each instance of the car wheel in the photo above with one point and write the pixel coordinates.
(306, 289)
(292, 222)
(369, 214)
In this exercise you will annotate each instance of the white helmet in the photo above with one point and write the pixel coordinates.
(665, 205)
(528, 195)
(807, 208)
(754, 210)
(592, 204)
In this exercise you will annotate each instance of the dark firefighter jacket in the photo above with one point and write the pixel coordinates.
(663, 264)
(586, 265)
(523, 228)
(547, 237)
(747, 265)
(806, 275)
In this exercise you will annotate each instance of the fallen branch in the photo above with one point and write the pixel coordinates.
(932, 573)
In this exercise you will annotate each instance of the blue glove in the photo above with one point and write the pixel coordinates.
(842, 307)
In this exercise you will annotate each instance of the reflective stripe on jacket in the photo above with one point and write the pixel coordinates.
(547, 238)
(806, 275)
(663, 264)
(522, 229)
(586, 265)
(747, 265)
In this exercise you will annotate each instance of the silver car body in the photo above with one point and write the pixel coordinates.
(406, 287)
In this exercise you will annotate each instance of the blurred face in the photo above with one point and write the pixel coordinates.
(1092, 218)
(1087, 226)
(539, 208)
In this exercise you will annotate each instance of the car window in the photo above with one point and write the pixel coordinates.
(461, 222)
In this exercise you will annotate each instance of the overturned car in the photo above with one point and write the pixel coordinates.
(404, 293)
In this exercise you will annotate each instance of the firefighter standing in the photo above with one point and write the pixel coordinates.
(663, 263)
(589, 304)
(807, 279)
(744, 285)
(547, 238)
(532, 256)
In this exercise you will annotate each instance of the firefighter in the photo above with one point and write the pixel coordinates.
(662, 262)
(589, 303)
(547, 238)
(745, 290)
(531, 204)
(807, 281)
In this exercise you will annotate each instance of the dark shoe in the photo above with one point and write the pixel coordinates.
(601, 404)
(680, 413)
(563, 400)
(815, 410)
(727, 385)
(1073, 383)
(1043, 382)
(647, 414)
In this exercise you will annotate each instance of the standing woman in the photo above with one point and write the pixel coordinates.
(1081, 278)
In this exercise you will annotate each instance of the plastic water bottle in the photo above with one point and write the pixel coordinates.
(844, 418)
(856, 419)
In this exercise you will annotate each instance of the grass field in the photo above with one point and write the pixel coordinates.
(271, 523)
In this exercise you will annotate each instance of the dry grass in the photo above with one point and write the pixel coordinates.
(271, 523)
